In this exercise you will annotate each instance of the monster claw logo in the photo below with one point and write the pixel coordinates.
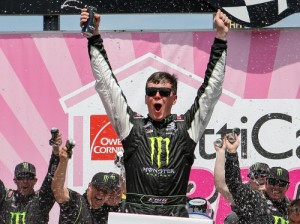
(160, 144)
(105, 178)
(113, 177)
(279, 219)
(279, 172)
(25, 165)
(17, 217)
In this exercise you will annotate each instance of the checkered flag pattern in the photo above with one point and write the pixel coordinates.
(257, 13)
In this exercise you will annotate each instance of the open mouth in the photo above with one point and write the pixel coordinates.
(157, 106)
(275, 192)
(98, 198)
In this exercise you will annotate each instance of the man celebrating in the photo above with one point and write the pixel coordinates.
(269, 206)
(159, 148)
(101, 197)
(25, 205)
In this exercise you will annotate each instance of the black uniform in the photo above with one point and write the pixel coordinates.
(78, 211)
(35, 208)
(253, 206)
(157, 155)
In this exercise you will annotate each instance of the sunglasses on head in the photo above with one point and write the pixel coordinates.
(151, 91)
(280, 183)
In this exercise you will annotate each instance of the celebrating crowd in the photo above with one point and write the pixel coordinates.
(156, 180)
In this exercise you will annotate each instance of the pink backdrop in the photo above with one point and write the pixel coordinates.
(39, 69)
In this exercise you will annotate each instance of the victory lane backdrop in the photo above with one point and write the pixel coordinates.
(46, 81)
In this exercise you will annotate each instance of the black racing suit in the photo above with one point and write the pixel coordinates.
(77, 211)
(34, 208)
(157, 155)
(253, 206)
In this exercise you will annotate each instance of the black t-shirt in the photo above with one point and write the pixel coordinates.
(32, 209)
(77, 210)
(253, 207)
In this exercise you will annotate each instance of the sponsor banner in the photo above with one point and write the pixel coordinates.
(104, 141)
(44, 87)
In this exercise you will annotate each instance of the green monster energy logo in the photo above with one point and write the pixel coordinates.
(279, 220)
(17, 218)
(105, 178)
(25, 165)
(113, 177)
(279, 172)
(160, 144)
(256, 165)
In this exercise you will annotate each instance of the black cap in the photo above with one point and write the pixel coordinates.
(25, 169)
(280, 174)
(106, 180)
(259, 168)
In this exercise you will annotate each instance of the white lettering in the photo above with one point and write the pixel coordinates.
(102, 149)
(109, 141)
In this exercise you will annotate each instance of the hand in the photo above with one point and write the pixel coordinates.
(221, 22)
(232, 147)
(220, 149)
(57, 142)
(63, 154)
(84, 15)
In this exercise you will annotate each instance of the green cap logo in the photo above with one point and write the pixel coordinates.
(279, 172)
(105, 178)
(25, 165)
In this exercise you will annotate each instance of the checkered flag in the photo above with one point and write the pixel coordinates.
(257, 13)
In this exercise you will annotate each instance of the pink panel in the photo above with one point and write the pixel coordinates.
(237, 62)
(178, 54)
(262, 55)
(58, 62)
(120, 48)
(286, 79)
(7, 175)
(22, 54)
(202, 44)
(294, 182)
(78, 152)
(146, 42)
(222, 209)
(77, 46)
(78, 98)
(21, 141)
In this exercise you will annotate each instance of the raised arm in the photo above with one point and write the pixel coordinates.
(242, 194)
(219, 173)
(45, 192)
(221, 22)
(84, 17)
(61, 193)
(211, 89)
(107, 86)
